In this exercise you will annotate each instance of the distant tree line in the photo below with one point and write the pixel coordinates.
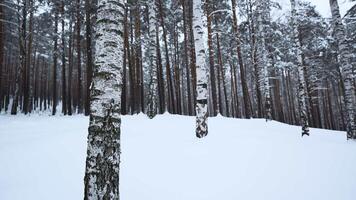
(297, 68)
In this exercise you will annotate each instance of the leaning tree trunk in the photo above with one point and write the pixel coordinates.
(346, 67)
(202, 72)
(152, 93)
(103, 155)
(302, 85)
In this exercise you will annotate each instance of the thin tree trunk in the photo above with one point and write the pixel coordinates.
(2, 45)
(89, 61)
(64, 84)
(263, 55)
(55, 57)
(301, 77)
(186, 53)
(202, 72)
(169, 79)
(125, 63)
(153, 79)
(222, 77)
(246, 95)
(70, 65)
(211, 58)
(79, 58)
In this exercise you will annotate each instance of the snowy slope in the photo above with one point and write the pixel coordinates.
(43, 158)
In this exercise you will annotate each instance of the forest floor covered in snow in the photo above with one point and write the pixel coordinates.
(43, 158)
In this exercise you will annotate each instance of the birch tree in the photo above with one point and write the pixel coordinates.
(202, 73)
(262, 11)
(103, 154)
(152, 93)
(301, 76)
(344, 58)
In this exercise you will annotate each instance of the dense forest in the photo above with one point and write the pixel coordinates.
(297, 68)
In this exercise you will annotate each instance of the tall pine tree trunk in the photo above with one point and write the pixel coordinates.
(2, 66)
(211, 58)
(89, 61)
(64, 83)
(22, 54)
(79, 57)
(103, 155)
(70, 66)
(170, 92)
(245, 92)
(186, 55)
(55, 58)
(28, 101)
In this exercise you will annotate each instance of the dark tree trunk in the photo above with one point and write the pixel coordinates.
(79, 57)
(89, 63)
(64, 84)
(2, 66)
(246, 95)
(211, 59)
(55, 57)
(70, 70)
(170, 91)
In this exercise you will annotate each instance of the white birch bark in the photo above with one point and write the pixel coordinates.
(346, 69)
(202, 71)
(103, 154)
(303, 111)
(263, 60)
(153, 81)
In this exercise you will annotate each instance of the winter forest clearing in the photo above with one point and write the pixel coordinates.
(161, 159)
(177, 99)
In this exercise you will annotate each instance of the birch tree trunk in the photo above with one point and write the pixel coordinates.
(346, 69)
(262, 55)
(302, 85)
(103, 155)
(153, 82)
(202, 73)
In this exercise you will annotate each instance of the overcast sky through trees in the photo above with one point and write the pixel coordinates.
(323, 6)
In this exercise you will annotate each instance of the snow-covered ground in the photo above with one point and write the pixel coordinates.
(43, 158)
